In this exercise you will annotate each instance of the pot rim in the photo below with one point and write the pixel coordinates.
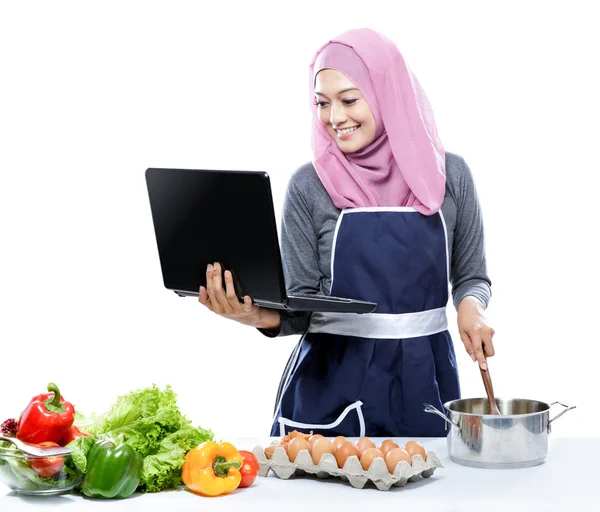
(495, 416)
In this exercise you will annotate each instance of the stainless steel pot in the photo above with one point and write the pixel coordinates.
(516, 439)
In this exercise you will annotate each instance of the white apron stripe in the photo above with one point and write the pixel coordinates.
(379, 325)
(283, 422)
(447, 251)
(287, 374)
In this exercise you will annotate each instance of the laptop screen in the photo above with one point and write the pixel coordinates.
(204, 216)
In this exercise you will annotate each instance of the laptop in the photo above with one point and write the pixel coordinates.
(207, 216)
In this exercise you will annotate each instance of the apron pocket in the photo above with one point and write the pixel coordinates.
(356, 406)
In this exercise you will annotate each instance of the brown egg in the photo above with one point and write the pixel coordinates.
(387, 445)
(338, 441)
(321, 447)
(363, 443)
(269, 450)
(345, 450)
(394, 456)
(368, 456)
(414, 448)
(297, 433)
(297, 444)
(285, 439)
(313, 439)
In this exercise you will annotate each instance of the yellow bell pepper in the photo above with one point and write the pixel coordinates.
(212, 469)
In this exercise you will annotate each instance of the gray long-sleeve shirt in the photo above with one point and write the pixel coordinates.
(308, 226)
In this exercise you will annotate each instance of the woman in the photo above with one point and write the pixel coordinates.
(383, 214)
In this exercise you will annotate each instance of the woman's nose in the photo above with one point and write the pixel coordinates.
(337, 116)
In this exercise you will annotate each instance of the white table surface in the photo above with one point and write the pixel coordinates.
(569, 480)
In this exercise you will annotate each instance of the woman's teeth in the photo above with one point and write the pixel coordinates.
(345, 131)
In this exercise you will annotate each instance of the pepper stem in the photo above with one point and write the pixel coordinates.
(221, 466)
(54, 404)
(54, 389)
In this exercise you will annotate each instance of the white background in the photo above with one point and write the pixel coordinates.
(93, 93)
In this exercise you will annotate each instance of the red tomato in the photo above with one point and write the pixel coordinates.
(249, 469)
(48, 466)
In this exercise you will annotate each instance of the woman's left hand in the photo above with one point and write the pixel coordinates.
(474, 330)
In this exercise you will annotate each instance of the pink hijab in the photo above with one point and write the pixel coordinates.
(405, 163)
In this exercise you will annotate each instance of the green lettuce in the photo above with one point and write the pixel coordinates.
(143, 418)
(81, 446)
(162, 470)
(149, 421)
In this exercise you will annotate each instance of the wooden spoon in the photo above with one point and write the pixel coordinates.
(489, 389)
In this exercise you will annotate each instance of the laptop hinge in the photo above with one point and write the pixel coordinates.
(269, 304)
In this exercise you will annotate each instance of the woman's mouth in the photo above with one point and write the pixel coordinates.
(346, 133)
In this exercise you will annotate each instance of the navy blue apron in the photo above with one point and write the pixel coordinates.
(370, 374)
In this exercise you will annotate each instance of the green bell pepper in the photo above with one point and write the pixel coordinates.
(113, 470)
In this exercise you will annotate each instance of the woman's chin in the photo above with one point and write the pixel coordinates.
(349, 147)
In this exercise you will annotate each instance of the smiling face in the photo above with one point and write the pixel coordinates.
(344, 111)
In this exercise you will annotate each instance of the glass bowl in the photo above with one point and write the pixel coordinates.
(26, 474)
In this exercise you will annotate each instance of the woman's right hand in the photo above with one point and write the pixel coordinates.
(226, 303)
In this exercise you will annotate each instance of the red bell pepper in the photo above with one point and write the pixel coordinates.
(47, 418)
(72, 434)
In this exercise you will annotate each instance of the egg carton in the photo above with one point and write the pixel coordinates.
(352, 471)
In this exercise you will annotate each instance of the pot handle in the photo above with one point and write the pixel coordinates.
(430, 408)
(568, 408)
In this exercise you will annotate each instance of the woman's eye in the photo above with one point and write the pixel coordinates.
(321, 104)
(348, 102)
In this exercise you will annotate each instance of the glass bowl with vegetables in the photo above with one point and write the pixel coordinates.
(26, 474)
(46, 422)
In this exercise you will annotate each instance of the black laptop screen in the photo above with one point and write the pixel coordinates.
(205, 216)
